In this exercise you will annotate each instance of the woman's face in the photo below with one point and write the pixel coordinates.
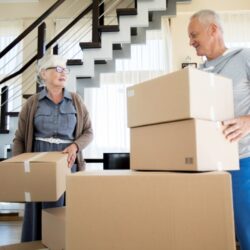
(55, 76)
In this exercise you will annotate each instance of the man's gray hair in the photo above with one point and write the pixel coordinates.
(207, 17)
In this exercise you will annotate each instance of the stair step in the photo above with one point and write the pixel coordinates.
(13, 114)
(171, 8)
(133, 31)
(150, 16)
(100, 62)
(90, 45)
(83, 77)
(117, 46)
(126, 12)
(109, 28)
(4, 131)
(71, 62)
(26, 96)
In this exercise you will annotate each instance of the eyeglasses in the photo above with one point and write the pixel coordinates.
(60, 69)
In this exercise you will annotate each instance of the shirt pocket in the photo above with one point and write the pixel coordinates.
(68, 118)
(43, 119)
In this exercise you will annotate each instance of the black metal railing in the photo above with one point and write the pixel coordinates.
(31, 27)
(97, 8)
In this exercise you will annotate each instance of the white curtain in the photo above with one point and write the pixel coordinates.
(236, 28)
(9, 30)
(107, 104)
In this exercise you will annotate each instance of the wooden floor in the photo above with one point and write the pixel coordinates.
(10, 232)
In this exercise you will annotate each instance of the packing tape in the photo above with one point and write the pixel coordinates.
(26, 163)
(218, 124)
(27, 196)
(219, 166)
(212, 113)
(131, 92)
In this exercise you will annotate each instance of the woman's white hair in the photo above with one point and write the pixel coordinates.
(49, 61)
(207, 17)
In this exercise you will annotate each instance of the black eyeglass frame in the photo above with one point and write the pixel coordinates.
(60, 69)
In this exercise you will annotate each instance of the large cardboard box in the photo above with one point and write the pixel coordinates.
(184, 94)
(34, 245)
(33, 177)
(53, 228)
(189, 145)
(135, 210)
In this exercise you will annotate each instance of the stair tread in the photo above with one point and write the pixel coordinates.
(126, 11)
(133, 31)
(12, 114)
(150, 16)
(26, 96)
(71, 62)
(90, 45)
(4, 131)
(109, 28)
(100, 62)
(83, 77)
(117, 46)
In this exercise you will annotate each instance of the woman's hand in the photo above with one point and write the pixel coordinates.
(236, 129)
(71, 150)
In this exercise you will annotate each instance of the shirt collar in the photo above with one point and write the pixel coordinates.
(44, 93)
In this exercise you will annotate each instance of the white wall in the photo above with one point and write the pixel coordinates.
(181, 48)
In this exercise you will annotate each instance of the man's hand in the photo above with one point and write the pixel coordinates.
(71, 150)
(236, 129)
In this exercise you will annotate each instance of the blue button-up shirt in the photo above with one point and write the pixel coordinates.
(55, 120)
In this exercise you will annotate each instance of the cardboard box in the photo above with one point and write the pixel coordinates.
(53, 228)
(134, 210)
(184, 94)
(33, 177)
(189, 145)
(34, 245)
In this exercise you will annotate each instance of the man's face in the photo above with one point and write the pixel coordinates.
(200, 37)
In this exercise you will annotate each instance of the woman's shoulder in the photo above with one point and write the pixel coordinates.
(76, 97)
(33, 97)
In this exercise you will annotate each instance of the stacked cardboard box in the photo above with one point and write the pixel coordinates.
(172, 120)
(33, 177)
(175, 123)
(139, 210)
(53, 228)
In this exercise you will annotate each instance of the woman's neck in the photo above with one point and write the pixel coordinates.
(55, 94)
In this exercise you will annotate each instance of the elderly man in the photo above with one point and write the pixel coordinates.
(206, 36)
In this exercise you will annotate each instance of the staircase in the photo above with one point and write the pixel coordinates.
(99, 56)
(147, 16)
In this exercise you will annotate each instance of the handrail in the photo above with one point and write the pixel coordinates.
(31, 27)
(70, 25)
(56, 38)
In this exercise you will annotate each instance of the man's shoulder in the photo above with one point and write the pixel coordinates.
(239, 51)
(245, 51)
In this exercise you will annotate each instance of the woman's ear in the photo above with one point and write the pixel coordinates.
(43, 74)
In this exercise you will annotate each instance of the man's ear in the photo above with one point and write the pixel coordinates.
(213, 29)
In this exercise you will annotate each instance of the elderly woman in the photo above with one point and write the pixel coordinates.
(52, 120)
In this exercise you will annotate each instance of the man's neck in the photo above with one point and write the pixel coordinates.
(216, 53)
